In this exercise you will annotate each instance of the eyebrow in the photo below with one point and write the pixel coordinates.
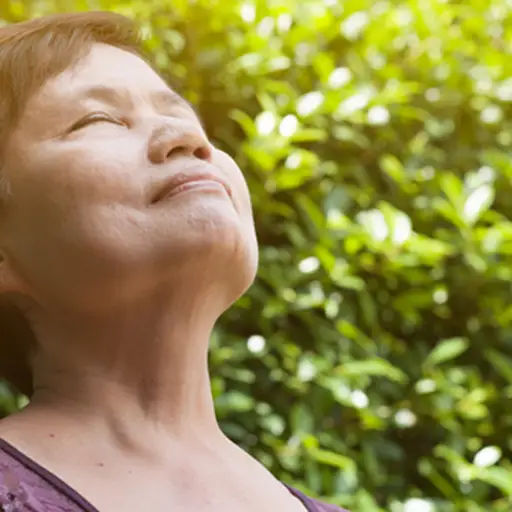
(161, 98)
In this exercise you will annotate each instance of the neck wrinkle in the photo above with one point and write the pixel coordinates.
(132, 376)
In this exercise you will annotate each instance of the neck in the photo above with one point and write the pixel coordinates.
(139, 375)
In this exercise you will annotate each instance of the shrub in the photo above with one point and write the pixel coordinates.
(371, 362)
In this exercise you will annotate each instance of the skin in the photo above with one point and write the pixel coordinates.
(123, 294)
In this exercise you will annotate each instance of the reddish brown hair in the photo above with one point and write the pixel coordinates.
(32, 52)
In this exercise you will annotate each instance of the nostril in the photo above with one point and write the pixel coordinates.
(203, 153)
(177, 150)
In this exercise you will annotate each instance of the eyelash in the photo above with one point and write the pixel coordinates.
(94, 118)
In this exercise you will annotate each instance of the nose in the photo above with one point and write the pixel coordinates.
(174, 139)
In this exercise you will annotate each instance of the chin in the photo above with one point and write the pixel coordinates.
(229, 248)
(226, 254)
(200, 234)
(207, 236)
(207, 223)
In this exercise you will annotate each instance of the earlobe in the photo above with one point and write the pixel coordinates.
(11, 282)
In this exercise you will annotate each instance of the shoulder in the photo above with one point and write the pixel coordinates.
(313, 505)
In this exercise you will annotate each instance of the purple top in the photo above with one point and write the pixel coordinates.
(25, 486)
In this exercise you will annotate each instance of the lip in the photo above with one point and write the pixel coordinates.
(177, 183)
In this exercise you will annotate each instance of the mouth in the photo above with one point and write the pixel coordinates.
(180, 182)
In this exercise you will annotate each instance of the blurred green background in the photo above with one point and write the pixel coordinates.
(371, 362)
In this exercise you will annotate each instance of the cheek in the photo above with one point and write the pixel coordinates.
(65, 195)
(71, 174)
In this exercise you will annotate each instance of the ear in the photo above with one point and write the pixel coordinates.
(12, 283)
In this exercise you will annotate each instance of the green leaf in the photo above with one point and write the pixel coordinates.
(393, 168)
(452, 186)
(497, 477)
(446, 350)
(478, 202)
(308, 135)
(372, 368)
(245, 121)
(312, 210)
(501, 363)
(332, 459)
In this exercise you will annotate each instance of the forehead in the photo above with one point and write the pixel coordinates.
(105, 72)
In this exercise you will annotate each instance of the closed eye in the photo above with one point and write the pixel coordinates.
(97, 117)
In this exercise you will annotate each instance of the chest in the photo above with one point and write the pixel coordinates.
(138, 499)
(135, 492)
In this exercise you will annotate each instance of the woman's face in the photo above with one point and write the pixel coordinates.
(93, 151)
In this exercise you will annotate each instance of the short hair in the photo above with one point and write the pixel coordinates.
(32, 52)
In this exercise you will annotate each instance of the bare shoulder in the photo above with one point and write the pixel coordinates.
(14, 429)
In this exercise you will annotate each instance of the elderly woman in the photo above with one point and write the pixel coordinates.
(124, 235)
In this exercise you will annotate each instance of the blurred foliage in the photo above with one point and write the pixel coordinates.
(371, 362)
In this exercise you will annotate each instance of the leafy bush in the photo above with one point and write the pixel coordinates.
(371, 362)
